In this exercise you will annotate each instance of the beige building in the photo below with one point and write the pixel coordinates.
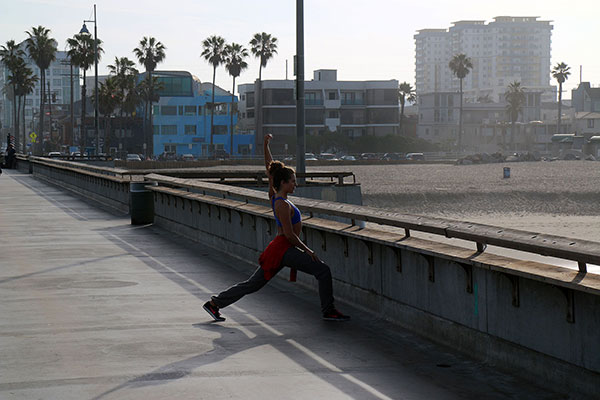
(505, 50)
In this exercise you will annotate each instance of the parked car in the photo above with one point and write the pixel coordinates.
(348, 158)
(310, 157)
(187, 157)
(328, 157)
(368, 156)
(393, 156)
(54, 154)
(415, 156)
(221, 154)
(133, 157)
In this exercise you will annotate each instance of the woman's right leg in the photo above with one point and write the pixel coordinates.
(236, 292)
(295, 258)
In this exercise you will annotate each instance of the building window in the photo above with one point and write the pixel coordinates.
(200, 110)
(168, 110)
(250, 114)
(332, 95)
(155, 110)
(333, 114)
(190, 129)
(189, 110)
(179, 110)
(590, 123)
(156, 129)
(220, 129)
(168, 129)
(57, 82)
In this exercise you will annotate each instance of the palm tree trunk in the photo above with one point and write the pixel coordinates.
(460, 117)
(512, 134)
(82, 132)
(18, 123)
(150, 145)
(559, 106)
(212, 108)
(15, 113)
(258, 105)
(24, 137)
(42, 102)
(231, 118)
(401, 113)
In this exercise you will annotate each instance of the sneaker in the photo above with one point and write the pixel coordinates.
(335, 315)
(213, 311)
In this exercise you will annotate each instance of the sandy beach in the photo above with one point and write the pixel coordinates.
(560, 198)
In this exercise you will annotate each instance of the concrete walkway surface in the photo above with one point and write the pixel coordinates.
(92, 307)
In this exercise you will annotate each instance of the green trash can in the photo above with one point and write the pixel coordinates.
(141, 203)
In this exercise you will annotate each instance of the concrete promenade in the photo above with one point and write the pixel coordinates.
(94, 308)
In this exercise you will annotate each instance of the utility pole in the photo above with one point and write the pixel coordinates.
(300, 146)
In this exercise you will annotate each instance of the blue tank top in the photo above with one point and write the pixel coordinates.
(295, 218)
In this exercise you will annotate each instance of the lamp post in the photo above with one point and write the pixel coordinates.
(85, 30)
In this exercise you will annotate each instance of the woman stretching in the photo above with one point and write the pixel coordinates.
(285, 250)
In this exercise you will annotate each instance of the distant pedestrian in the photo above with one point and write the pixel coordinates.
(286, 249)
(11, 158)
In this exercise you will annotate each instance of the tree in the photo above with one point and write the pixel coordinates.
(11, 56)
(234, 56)
(264, 47)
(108, 100)
(82, 55)
(42, 49)
(25, 84)
(561, 73)
(405, 93)
(515, 100)
(150, 53)
(460, 65)
(213, 52)
(124, 74)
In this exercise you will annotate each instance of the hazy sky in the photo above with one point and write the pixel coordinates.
(362, 39)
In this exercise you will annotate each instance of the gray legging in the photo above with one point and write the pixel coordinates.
(293, 258)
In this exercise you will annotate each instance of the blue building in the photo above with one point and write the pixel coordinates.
(181, 118)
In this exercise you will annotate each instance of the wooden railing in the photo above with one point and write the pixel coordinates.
(582, 251)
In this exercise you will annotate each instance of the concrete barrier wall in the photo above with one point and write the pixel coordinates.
(535, 319)
(485, 305)
(102, 188)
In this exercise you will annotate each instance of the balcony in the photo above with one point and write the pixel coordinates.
(332, 103)
(313, 102)
(353, 102)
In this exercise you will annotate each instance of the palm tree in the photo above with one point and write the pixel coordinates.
(460, 66)
(406, 93)
(150, 53)
(26, 85)
(108, 99)
(561, 73)
(264, 47)
(42, 49)
(213, 48)
(124, 74)
(11, 55)
(235, 64)
(515, 100)
(82, 55)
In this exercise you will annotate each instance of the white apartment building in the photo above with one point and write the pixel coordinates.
(59, 78)
(505, 50)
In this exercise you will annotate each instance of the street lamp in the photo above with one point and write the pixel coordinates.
(85, 30)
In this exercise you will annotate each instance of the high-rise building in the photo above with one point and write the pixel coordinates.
(505, 50)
